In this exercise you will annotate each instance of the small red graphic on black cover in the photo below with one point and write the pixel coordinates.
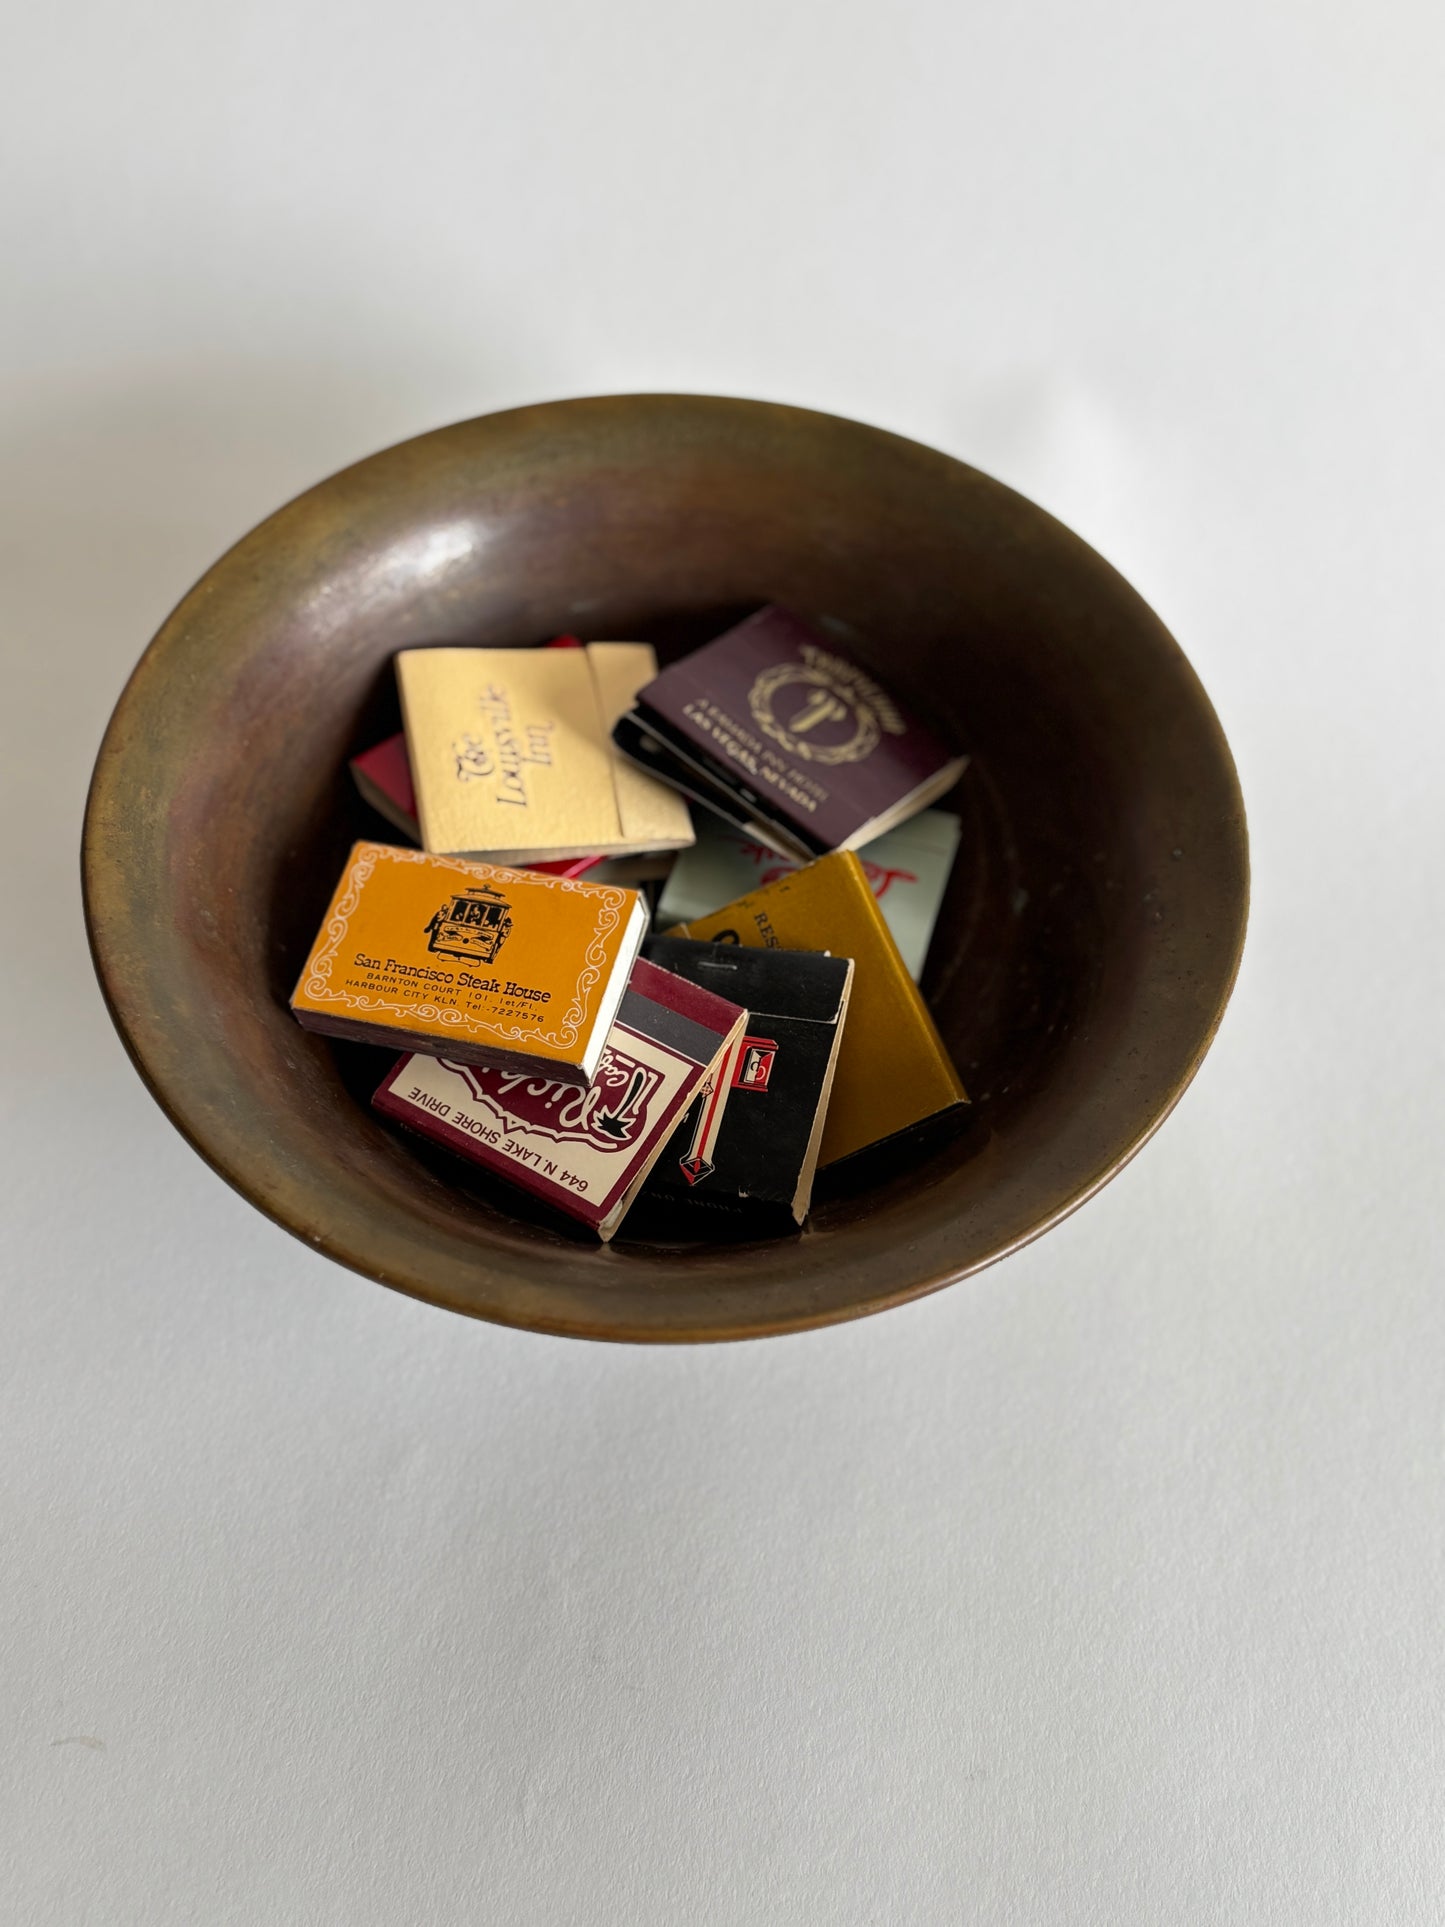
(472, 925)
(755, 1064)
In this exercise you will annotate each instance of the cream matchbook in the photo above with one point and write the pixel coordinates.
(511, 754)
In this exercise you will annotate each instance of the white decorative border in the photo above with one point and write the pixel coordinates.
(318, 984)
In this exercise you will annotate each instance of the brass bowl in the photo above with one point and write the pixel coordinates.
(1085, 953)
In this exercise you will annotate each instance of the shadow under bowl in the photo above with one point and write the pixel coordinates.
(1082, 961)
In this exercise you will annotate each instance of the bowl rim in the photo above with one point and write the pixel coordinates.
(104, 906)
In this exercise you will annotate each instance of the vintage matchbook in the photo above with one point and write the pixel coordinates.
(894, 1074)
(908, 869)
(751, 1169)
(383, 774)
(788, 738)
(585, 1151)
(512, 757)
(490, 966)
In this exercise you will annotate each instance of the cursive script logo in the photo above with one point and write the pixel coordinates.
(503, 752)
(473, 759)
(773, 866)
(610, 1115)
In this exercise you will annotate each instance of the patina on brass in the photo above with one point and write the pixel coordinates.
(1085, 954)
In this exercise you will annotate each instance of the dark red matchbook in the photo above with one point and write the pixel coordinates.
(586, 1152)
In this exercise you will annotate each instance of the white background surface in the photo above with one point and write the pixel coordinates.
(1105, 1588)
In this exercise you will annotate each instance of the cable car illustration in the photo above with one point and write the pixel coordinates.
(473, 924)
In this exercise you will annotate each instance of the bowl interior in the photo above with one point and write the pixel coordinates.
(1084, 953)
